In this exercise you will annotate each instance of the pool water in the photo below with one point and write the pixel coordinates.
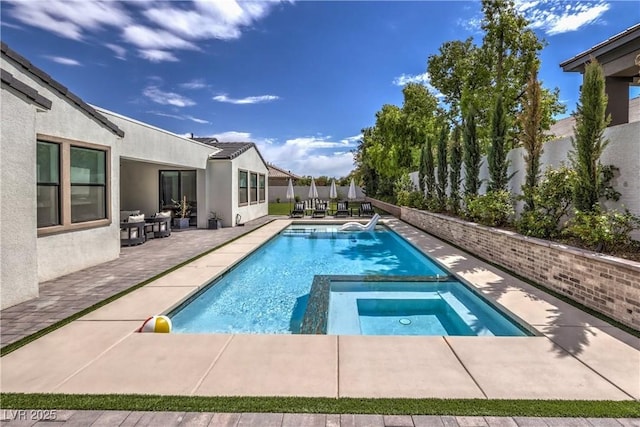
(268, 291)
(413, 308)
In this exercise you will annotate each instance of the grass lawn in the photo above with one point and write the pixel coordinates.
(460, 407)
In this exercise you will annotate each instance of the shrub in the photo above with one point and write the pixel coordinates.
(297, 199)
(493, 209)
(602, 231)
(277, 199)
(552, 199)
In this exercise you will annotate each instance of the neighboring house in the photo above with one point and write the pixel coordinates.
(67, 169)
(278, 177)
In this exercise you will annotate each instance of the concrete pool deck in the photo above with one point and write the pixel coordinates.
(575, 355)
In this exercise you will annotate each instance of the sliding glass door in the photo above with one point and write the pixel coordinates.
(176, 184)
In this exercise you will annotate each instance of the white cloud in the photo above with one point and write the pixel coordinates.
(69, 18)
(233, 136)
(64, 61)
(118, 50)
(150, 38)
(556, 16)
(194, 84)
(315, 155)
(166, 98)
(247, 100)
(154, 55)
(352, 139)
(179, 117)
(424, 79)
(470, 24)
(208, 19)
(195, 119)
(158, 28)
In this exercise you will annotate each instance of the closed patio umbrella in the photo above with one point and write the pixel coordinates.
(333, 192)
(290, 193)
(313, 191)
(351, 195)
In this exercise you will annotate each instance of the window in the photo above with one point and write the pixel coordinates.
(261, 188)
(254, 187)
(73, 185)
(243, 194)
(48, 181)
(174, 185)
(88, 184)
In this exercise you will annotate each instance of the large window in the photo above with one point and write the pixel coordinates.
(254, 187)
(72, 185)
(243, 193)
(48, 181)
(261, 188)
(174, 185)
(88, 184)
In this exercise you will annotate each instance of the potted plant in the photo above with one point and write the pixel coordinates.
(215, 221)
(182, 211)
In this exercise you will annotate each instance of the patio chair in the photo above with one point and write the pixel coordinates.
(342, 209)
(365, 209)
(320, 211)
(298, 210)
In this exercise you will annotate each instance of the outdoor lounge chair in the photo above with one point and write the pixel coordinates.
(298, 210)
(356, 226)
(342, 209)
(320, 211)
(365, 209)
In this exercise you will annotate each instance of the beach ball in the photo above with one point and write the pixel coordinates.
(160, 324)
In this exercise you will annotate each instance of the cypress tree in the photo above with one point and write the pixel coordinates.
(455, 163)
(497, 156)
(532, 138)
(430, 179)
(472, 156)
(442, 167)
(422, 170)
(588, 144)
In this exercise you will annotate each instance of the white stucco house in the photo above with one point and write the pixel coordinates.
(67, 169)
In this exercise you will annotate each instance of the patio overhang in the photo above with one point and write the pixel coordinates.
(619, 57)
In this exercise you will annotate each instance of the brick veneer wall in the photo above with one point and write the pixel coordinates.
(606, 284)
(387, 207)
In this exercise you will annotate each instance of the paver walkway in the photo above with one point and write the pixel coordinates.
(67, 295)
(188, 419)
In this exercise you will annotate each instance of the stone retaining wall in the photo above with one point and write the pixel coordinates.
(606, 284)
(387, 207)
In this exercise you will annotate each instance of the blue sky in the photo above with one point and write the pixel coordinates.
(299, 78)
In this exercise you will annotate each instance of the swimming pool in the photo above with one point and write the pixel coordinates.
(268, 291)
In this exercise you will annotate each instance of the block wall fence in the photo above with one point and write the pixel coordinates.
(603, 283)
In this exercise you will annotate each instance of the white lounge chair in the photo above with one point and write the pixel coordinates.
(356, 226)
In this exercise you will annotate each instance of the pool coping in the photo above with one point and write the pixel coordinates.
(576, 355)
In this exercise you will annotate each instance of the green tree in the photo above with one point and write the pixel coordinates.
(589, 143)
(532, 138)
(450, 69)
(497, 158)
(441, 189)
(429, 178)
(455, 163)
(471, 156)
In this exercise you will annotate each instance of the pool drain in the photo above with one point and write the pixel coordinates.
(405, 321)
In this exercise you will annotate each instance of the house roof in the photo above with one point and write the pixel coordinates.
(32, 94)
(229, 150)
(56, 86)
(276, 172)
(621, 44)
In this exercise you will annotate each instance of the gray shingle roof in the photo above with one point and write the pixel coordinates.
(276, 172)
(48, 80)
(229, 150)
(32, 94)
